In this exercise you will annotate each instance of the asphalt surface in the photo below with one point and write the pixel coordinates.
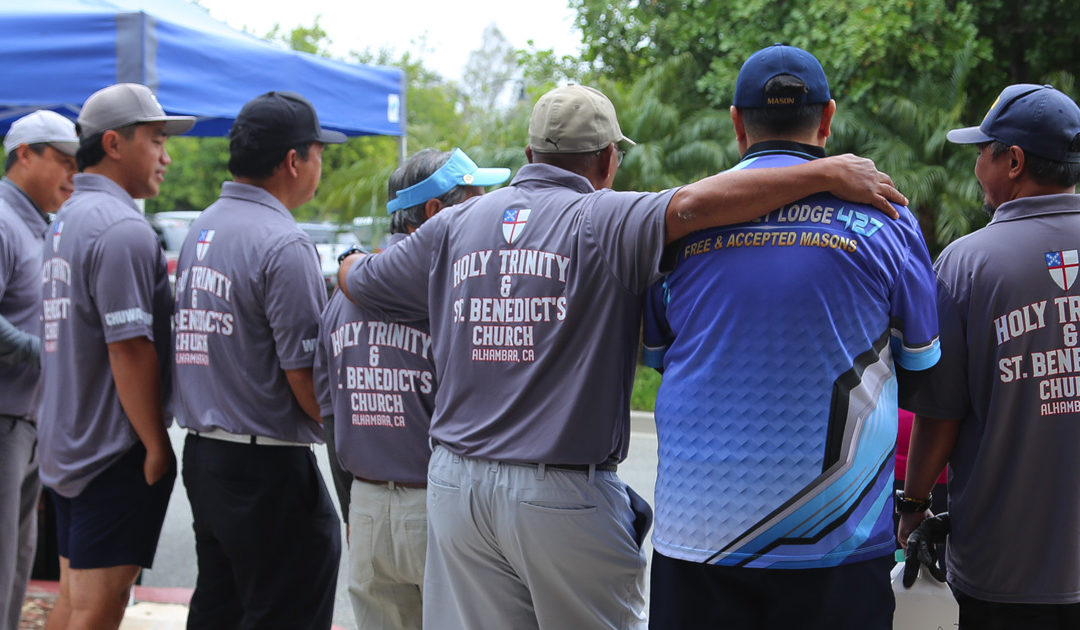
(174, 564)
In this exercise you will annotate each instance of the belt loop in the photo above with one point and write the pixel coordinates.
(390, 485)
(541, 471)
(454, 457)
(592, 473)
(252, 441)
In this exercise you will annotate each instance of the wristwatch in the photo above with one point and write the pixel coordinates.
(349, 252)
(906, 505)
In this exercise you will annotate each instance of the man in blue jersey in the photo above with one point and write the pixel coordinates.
(777, 414)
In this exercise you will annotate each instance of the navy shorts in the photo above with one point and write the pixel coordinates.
(116, 520)
(690, 595)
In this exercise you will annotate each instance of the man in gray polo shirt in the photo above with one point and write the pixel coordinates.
(533, 292)
(248, 297)
(40, 150)
(376, 382)
(105, 456)
(1002, 407)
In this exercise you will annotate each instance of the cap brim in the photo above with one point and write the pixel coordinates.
(176, 125)
(327, 136)
(967, 135)
(489, 176)
(625, 143)
(67, 148)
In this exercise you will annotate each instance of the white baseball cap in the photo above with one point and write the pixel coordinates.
(124, 104)
(43, 126)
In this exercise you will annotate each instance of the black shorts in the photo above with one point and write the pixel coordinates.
(688, 595)
(116, 520)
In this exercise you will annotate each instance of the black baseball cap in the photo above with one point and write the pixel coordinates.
(1037, 118)
(277, 120)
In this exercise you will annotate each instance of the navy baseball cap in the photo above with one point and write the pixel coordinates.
(776, 60)
(1037, 118)
(277, 120)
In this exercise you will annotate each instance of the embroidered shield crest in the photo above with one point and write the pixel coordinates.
(58, 227)
(1062, 267)
(513, 223)
(203, 244)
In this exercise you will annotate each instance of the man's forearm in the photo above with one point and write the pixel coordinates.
(18, 347)
(737, 196)
(137, 375)
(932, 442)
(302, 384)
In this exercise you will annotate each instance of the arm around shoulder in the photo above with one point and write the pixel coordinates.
(740, 195)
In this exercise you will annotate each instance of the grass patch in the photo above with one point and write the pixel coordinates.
(646, 382)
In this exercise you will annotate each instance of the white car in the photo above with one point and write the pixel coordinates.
(330, 241)
(172, 228)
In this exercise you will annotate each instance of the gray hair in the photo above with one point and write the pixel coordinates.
(415, 170)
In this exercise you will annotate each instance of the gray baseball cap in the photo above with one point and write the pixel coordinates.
(125, 104)
(574, 119)
(43, 126)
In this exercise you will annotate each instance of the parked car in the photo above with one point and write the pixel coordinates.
(330, 241)
(172, 227)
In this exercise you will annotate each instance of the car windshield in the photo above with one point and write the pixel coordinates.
(172, 233)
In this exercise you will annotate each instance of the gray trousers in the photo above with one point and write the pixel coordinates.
(513, 546)
(19, 492)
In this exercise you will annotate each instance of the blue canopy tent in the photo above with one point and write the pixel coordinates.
(58, 52)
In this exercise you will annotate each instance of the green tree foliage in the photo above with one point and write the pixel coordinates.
(903, 72)
(862, 43)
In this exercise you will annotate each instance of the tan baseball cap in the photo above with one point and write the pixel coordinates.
(125, 104)
(574, 119)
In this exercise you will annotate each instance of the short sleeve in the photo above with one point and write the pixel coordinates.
(629, 229)
(294, 297)
(943, 392)
(124, 268)
(913, 312)
(656, 332)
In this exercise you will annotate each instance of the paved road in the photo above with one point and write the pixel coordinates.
(174, 564)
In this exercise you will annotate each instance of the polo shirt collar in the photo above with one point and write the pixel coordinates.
(785, 147)
(253, 194)
(92, 182)
(1034, 206)
(28, 211)
(549, 175)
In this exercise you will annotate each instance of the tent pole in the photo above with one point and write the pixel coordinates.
(403, 138)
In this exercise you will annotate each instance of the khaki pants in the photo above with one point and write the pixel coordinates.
(387, 541)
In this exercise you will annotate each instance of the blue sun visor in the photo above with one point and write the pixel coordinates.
(459, 170)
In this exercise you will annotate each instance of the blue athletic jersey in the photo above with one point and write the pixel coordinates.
(777, 413)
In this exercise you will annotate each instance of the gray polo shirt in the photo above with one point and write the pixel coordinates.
(534, 296)
(249, 292)
(378, 377)
(22, 232)
(104, 280)
(1009, 310)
